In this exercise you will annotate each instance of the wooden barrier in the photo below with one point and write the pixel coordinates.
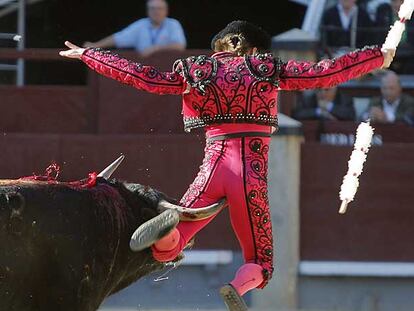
(103, 106)
(378, 225)
(342, 133)
(168, 163)
(44, 109)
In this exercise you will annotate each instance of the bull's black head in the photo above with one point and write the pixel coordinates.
(143, 201)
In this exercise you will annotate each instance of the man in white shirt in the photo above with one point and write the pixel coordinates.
(393, 105)
(148, 35)
(346, 25)
(347, 11)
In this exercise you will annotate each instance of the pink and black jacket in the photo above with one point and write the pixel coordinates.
(228, 89)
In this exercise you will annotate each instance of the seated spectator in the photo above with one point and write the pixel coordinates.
(345, 25)
(147, 35)
(325, 104)
(393, 105)
(371, 6)
(387, 14)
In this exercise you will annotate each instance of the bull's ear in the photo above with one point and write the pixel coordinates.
(144, 198)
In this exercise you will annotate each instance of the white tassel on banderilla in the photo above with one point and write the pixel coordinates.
(397, 30)
(355, 165)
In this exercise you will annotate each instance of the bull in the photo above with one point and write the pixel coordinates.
(65, 245)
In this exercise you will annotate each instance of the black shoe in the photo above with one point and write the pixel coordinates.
(232, 299)
(153, 230)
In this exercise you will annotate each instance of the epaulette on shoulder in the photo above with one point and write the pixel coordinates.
(264, 67)
(198, 71)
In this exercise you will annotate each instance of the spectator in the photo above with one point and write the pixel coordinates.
(345, 25)
(325, 104)
(393, 105)
(371, 6)
(147, 35)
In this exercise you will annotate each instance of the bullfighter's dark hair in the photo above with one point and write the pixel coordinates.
(240, 36)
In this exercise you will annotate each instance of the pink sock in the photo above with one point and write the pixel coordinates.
(248, 277)
(167, 248)
(168, 242)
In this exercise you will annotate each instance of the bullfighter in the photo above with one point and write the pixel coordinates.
(232, 94)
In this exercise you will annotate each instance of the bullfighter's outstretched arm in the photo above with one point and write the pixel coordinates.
(299, 75)
(142, 77)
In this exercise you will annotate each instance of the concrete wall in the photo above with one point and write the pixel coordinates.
(284, 179)
(355, 294)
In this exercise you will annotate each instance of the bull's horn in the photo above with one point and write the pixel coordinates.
(106, 173)
(194, 214)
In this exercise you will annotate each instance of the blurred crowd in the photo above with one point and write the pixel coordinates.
(350, 24)
(392, 106)
(345, 25)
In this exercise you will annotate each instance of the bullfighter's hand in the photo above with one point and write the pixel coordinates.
(388, 57)
(73, 52)
(88, 44)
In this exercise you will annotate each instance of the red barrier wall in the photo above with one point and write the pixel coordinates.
(378, 225)
(123, 109)
(44, 109)
(390, 133)
(169, 163)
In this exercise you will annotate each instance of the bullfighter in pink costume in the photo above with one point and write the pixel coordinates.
(233, 96)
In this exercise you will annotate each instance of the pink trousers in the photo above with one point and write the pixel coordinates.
(234, 168)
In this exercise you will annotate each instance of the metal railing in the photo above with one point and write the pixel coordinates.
(19, 67)
(313, 17)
